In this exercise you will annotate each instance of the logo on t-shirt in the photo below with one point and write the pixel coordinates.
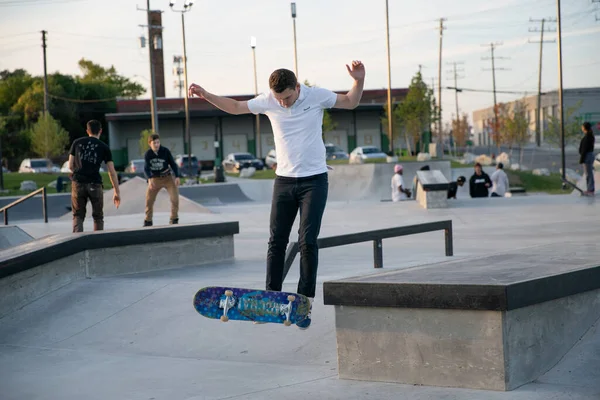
(307, 108)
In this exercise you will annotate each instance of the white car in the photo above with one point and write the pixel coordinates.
(37, 165)
(360, 154)
(271, 159)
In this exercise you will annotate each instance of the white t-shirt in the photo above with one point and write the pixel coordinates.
(499, 182)
(397, 195)
(297, 130)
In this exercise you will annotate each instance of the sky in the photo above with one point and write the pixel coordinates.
(329, 35)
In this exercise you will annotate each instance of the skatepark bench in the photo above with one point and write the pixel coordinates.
(432, 189)
(31, 270)
(494, 322)
(376, 236)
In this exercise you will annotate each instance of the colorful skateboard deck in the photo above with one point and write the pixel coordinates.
(228, 303)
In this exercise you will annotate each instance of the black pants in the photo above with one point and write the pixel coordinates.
(80, 193)
(290, 195)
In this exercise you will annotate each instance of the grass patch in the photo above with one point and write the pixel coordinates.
(12, 182)
(536, 184)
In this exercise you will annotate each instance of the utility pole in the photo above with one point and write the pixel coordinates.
(456, 90)
(390, 111)
(560, 92)
(440, 127)
(258, 139)
(153, 108)
(538, 134)
(178, 71)
(494, 69)
(44, 33)
(295, 48)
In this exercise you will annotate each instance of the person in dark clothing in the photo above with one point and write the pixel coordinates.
(162, 172)
(586, 156)
(85, 157)
(453, 186)
(479, 183)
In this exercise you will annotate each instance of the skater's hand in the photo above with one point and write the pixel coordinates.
(196, 90)
(116, 200)
(150, 183)
(357, 72)
(177, 181)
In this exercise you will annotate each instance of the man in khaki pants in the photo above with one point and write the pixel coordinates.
(162, 172)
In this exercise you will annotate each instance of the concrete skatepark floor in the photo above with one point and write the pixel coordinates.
(138, 336)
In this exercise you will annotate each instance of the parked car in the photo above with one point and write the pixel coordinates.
(182, 163)
(37, 165)
(65, 167)
(363, 153)
(335, 153)
(235, 162)
(135, 166)
(271, 159)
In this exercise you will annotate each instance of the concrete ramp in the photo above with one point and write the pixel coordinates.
(133, 201)
(215, 194)
(11, 236)
(373, 181)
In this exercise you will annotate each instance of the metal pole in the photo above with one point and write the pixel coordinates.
(44, 205)
(377, 253)
(44, 33)
(390, 111)
(440, 127)
(153, 109)
(1, 167)
(258, 141)
(538, 134)
(496, 128)
(560, 93)
(186, 101)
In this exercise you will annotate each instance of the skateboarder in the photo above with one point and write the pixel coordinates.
(586, 157)
(162, 172)
(301, 183)
(479, 183)
(399, 190)
(499, 181)
(85, 157)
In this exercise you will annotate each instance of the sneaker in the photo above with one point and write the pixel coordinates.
(174, 221)
(147, 223)
(258, 322)
(305, 323)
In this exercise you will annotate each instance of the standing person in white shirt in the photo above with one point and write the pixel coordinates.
(301, 183)
(399, 191)
(499, 181)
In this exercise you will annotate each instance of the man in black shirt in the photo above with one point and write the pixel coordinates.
(453, 186)
(85, 157)
(479, 183)
(162, 172)
(586, 156)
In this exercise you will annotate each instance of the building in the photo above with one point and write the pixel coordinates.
(589, 110)
(214, 134)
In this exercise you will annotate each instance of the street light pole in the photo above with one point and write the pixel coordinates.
(295, 48)
(560, 92)
(389, 90)
(258, 141)
(187, 6)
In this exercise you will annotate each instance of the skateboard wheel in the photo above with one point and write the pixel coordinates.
(228, 293)
(291, 297)
(287, 323)
(224, 318)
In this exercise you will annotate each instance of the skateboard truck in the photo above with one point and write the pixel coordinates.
(287, 310)
(226, 304)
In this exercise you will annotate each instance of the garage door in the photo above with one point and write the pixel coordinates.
(368, 137)
(203, 147)
(338, 138)
(234, 144)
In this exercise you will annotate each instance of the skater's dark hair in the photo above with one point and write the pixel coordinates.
(461, 179)
(500, 165)
(153, 137)
(282, 79)
(425, 168)
(94, 126)
(587, 126)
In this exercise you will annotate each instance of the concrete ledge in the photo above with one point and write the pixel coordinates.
(32, 270)
(432, 189)
(495, 322)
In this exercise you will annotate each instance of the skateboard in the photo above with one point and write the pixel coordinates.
(227, 303)
(574, 186)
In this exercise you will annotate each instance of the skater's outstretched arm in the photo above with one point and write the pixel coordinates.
(230, 106)
(351, 99)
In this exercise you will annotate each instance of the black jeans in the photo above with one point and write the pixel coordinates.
(290, 195)
(80, 193)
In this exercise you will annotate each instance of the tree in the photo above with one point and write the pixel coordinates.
(414, 112)
(460, 130)
(144, 146)
(48, 138)
(572, 127)
(515, 126)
